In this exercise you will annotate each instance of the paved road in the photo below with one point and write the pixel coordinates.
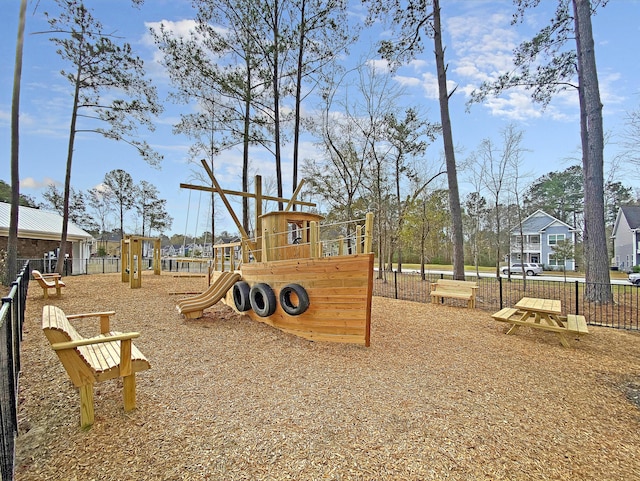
(515, 276)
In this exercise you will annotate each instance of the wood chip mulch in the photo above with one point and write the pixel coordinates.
(442, 393)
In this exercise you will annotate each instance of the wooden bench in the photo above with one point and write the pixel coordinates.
(108, 355)
(569, 324)
(465, 290)
(49, 281)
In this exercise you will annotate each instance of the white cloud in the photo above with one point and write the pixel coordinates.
(407, 81)
(429, 83)
(31, 183)
(609, 94)
(483, 46)
(418, 64)
(379, 65)
(179, 28)
(515, 105)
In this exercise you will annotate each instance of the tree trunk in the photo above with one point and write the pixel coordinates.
(276, 99)
(245, 152)
(498, 241)
(380, 245)
(449, 153)
(598, 282)
(67, 179)
(298, 98)
(213, 217)
(12, 241)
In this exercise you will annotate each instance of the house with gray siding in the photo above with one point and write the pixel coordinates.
(540, 233)
(626, 238)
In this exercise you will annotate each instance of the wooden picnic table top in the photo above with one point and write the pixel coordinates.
(533, 304)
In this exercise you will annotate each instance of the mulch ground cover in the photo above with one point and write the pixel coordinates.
(441, 393)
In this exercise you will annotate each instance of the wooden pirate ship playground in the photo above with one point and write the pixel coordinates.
(296, 274)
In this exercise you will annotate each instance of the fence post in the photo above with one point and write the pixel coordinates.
(500, 289)
(395, 282)
(577, 301)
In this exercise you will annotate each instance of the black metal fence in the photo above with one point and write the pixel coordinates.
(109, 265)
(495, 293)
(11, 321)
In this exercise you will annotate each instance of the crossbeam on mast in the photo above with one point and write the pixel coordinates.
(244, 194)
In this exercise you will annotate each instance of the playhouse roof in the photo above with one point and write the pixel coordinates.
(39, 224)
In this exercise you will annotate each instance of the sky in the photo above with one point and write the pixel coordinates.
(479, 42)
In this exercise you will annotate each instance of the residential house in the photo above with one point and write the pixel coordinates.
(224, 240)
(39, 233)
(170, 250)
(540, 233)
(626, 238)
(109, 244)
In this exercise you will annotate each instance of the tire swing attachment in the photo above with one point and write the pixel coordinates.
(263, 300)
(241, 299)
(288, 294)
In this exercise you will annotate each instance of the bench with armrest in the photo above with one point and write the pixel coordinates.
(465, 290)
(49, 281)
(90, 360)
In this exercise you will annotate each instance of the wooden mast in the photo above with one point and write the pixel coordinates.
(250, 246)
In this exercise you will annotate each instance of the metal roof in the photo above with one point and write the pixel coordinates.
(39, 224)
(632, 213)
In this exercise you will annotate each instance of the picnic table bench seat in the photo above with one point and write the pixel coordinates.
(576, 324)
(446, 288)
(108, 355)
(49, 281)
(505, 314)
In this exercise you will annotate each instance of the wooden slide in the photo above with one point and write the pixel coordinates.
(192, 307)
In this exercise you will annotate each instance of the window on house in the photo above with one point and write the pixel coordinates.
(553, 239)
(534, 239)
(554, 261)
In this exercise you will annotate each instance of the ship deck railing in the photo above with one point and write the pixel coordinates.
(322, 240)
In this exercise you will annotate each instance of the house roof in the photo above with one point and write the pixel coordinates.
(538, 222)
(632, 214)
(39, 224)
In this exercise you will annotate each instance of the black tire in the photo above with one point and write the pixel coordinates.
(505, 271)
(288, 305)
(263, 300)
(241, 299)
(530, 273)
(637, 282)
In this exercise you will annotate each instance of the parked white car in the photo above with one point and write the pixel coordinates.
(529, 268)
(634, 278)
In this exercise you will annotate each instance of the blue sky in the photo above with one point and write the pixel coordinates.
(479, 41)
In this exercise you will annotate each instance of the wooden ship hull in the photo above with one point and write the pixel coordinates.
(339, 290)
(294, 276)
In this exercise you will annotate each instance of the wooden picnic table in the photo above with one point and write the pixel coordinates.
(543, 314)
(548, 310)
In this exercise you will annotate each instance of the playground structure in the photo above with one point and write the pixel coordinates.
(290, 276)
(131, 259)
